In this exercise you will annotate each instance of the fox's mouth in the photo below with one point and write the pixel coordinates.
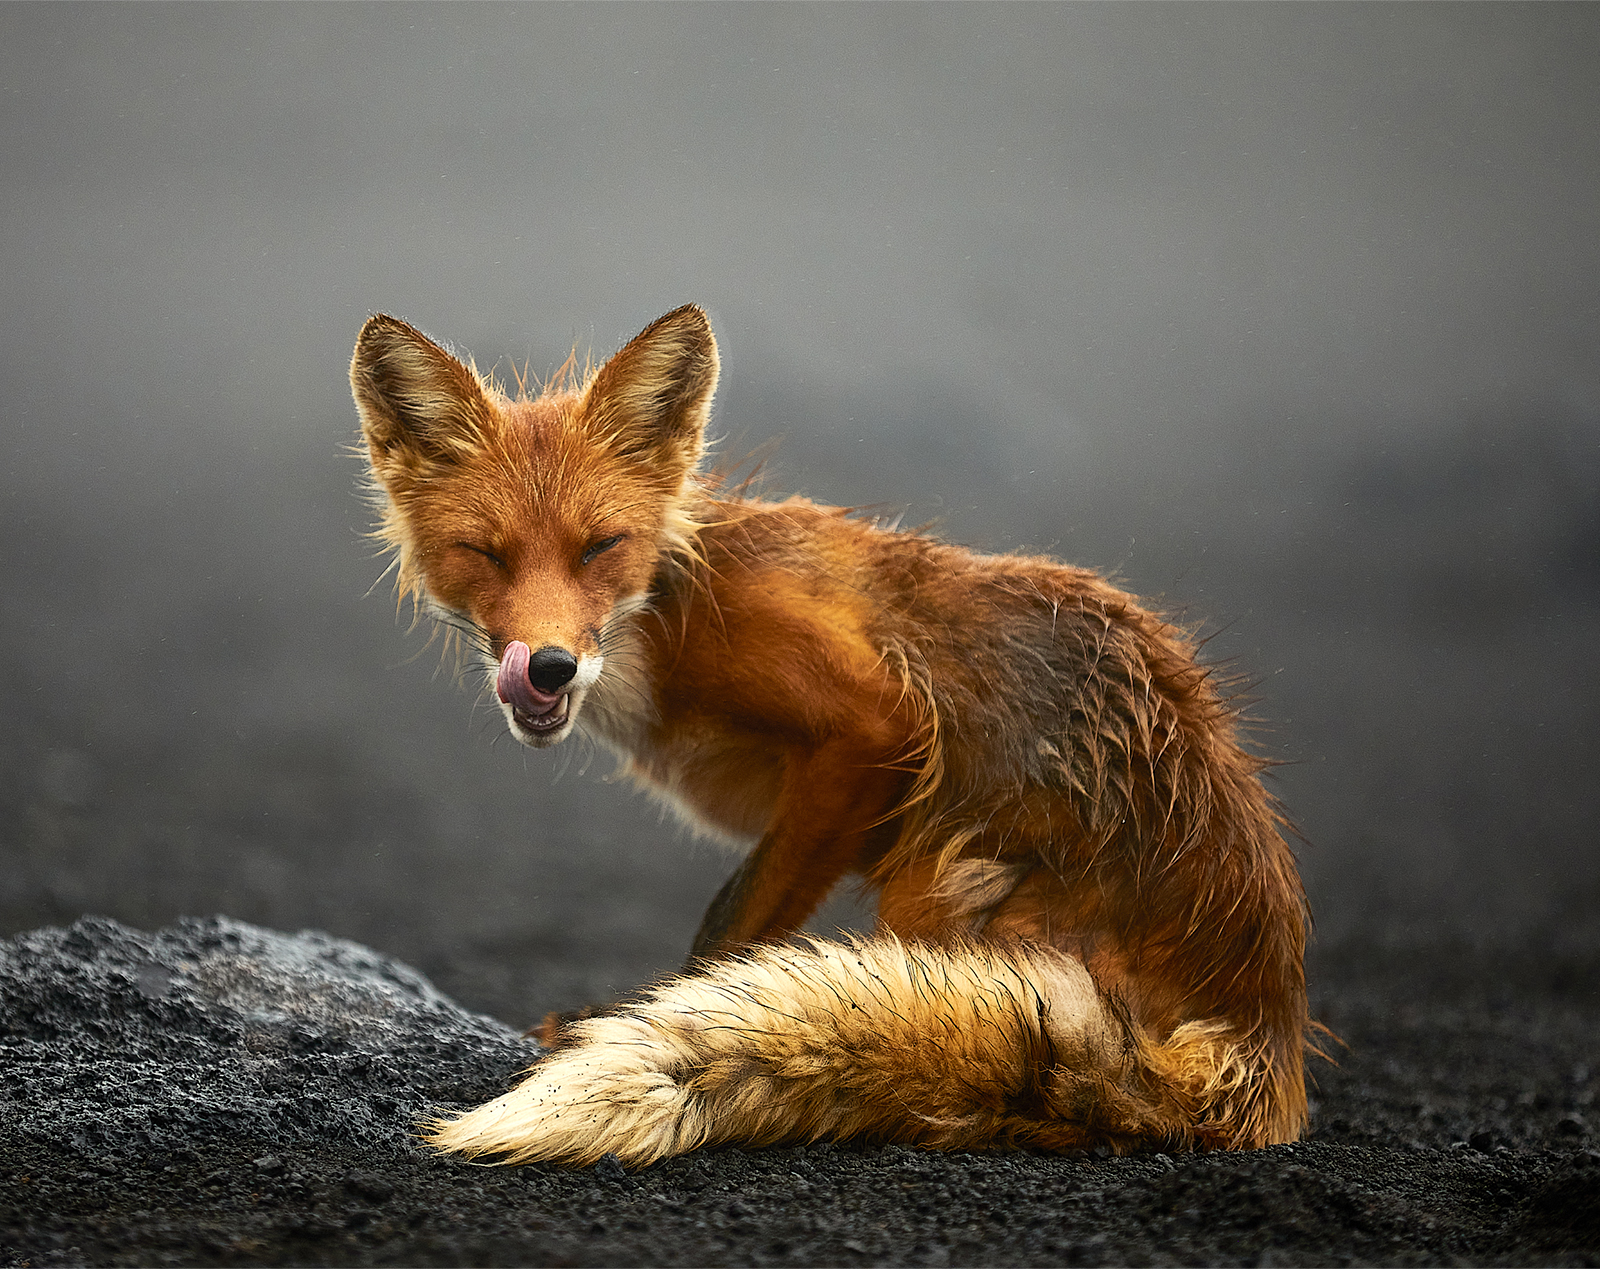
(538, 715)
(555, 716)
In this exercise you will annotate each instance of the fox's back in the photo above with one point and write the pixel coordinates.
(1039, 672)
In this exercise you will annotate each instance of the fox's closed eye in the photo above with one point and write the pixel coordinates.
(601, 547)
(483, 551)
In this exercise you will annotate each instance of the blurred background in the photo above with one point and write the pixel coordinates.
(1287, 315)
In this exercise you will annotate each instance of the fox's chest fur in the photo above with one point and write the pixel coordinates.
(790, 639)
(713, 779)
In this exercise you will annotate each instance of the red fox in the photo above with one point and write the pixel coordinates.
(1090, 933)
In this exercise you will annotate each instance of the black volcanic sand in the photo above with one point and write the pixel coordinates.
(216, 1093)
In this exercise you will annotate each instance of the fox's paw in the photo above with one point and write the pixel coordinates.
(610, 1091)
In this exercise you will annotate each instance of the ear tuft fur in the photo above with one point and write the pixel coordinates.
(416, 401)
(652, 400)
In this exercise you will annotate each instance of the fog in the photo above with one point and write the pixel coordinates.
(1285, 314)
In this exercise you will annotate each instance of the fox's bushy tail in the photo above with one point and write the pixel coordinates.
(950, 1046)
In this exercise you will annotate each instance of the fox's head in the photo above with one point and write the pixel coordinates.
(536, 526)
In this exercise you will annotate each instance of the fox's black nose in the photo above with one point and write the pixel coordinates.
(550, 669)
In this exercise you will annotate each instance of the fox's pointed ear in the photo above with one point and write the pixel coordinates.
(416, 401)
(653, 399)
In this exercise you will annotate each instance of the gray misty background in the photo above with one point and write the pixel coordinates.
(1286, 314)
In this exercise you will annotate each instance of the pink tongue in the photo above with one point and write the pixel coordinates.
(512, 683)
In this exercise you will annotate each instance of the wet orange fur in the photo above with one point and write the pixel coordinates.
(1025, 764)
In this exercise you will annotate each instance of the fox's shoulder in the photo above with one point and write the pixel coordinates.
(799, 532)
(868, 551)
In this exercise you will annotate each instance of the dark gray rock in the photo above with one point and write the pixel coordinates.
(120, 1043)
(216, 1093)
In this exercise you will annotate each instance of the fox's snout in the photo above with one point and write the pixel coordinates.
(551, 668)
(532, 681)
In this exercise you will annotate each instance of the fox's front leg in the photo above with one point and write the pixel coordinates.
(833, 802)
(771, 893)
(724, 910)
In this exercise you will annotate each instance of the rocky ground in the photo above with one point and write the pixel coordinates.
(216, 1093)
